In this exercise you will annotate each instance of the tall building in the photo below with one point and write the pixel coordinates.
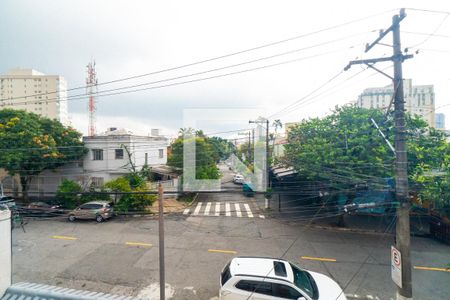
(440, 121)
(419, 99)
(33, 91)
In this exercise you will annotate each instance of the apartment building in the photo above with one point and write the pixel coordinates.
(419, 99)
(33, 91)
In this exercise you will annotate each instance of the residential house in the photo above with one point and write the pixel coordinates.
(110, 155)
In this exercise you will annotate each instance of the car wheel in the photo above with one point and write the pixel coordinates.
(99, 219)
(72, 218)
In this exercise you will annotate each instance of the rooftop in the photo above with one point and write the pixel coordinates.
(22, 72)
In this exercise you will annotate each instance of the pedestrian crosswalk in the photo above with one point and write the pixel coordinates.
(216, 209)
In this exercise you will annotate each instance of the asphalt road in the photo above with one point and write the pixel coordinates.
(121, 256)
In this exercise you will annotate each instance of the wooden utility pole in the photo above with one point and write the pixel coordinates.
(403, 237)
(162, 276)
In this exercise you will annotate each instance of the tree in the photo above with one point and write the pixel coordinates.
(128, 184)
(31, 144)
(222, 147)
(344, 149)
(67, 193)
(206, 156)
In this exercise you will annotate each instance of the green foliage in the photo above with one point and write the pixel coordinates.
(132, 182)
(146, 173)
(67, 193)
(222, 148)
(136, 180)
(39, 144)
(206, 157)
(344, 149)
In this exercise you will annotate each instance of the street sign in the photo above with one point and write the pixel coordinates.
(396, 266)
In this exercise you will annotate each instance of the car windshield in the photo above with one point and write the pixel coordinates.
(304, 281)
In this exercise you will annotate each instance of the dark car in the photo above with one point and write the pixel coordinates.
(42, 209)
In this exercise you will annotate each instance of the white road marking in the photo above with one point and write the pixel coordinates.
(207, 208)
(197, 209)
(227, 209)
(238, 210)
(186, 211)
(262, 217)
(249, 212)
(217, 211)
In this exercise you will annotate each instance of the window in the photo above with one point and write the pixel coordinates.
(259, 287)
(284, 291)
(279, 268)
(305, 282)
(161, 153)
(225, 274)
(97, 154)
(119, 153)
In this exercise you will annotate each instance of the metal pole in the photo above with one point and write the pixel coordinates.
(401, 168)
(267, 156)
(162, 279)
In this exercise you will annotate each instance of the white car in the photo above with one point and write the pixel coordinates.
(238, 178)
(269, 278)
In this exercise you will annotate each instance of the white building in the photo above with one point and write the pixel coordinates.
(30, 90)
(419, 99)
(113, 153)
(108, 157)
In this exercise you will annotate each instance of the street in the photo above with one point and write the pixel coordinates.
(121, 256)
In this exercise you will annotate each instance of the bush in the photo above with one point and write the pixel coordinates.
(130, 202)
(95, 195)
(67, 193)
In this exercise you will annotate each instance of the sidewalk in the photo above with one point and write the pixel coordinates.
(329, 217)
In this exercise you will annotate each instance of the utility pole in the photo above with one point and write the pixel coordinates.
(403, 237)
(162, 276)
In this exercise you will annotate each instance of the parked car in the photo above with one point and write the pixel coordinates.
(8, 201)
(238, 178)
(96, 210)
(42, 209)
(259, 278)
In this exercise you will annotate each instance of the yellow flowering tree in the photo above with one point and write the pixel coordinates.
(30, 144)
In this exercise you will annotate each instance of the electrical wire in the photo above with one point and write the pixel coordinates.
(230, 54)
(83, 96)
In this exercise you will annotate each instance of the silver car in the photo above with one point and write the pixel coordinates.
(96, 210)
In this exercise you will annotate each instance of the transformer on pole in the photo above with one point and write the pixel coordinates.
(91, 90)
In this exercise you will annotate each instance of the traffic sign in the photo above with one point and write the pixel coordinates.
(396, 266)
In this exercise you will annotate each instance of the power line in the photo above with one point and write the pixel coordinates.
(427, 34)
(230, 54)
(429, 10)
(432, 33)
(82, 96)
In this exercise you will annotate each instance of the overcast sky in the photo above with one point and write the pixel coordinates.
(128, 38)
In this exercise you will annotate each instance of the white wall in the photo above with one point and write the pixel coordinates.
(5, 250)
